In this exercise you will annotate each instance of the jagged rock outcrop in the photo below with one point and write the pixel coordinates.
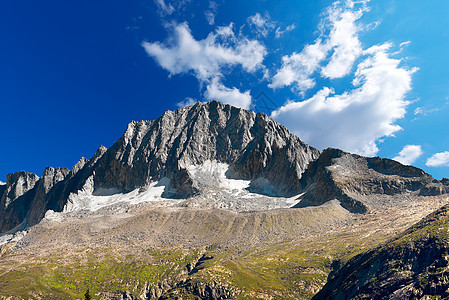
(16, 199)
(50, 192)
(50, 177)
(254, 145)
(355, 180)
(17, 184)
(412, 266)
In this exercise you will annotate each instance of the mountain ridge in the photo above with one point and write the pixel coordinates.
(198, 203)
(252, 146)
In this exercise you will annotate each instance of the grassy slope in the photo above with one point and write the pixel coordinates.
(284, 270)
(257, 256)
(412, 265)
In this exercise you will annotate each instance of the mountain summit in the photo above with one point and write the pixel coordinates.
(200, 151)
(212, 202)
(243, 145)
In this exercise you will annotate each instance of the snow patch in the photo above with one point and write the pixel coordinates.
(218, 189)
(212, 175)
(4, 239)
(51, 215)
(2, 183)
(88, 199)
(218, 184)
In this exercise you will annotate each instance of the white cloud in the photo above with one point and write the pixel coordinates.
(409, 154)
(164, 8)
(279, 32)
(186, 102)
(424, 111)
(438, 160)
(211, 12)
(298, 67)
(217, 91)
(344, 41)
(341, 39)
(354, 120)
(208, 58)
(262, 24)
(210, 17)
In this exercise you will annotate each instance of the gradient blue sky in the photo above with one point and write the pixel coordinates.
(366, 76)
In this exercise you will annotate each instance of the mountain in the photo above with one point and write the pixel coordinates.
(236, 146)
(411, 266)
(208, 201)
(360, 182)
(253, 147)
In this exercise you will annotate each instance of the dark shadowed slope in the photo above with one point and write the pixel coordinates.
(415, 265)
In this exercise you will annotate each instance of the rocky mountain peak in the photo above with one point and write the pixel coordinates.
(357, 181)
(252, 144)
(204, 149)
(78, 166)
(18, 184)
(51, 176)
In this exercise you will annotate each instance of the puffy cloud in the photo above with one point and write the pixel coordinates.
(354, 120)
(344, 41)
(298, 67)
(279, 32)
(262, 24)
(207, 58)
(409, 154)
(339, 36)
(217, 91)
(438, 160)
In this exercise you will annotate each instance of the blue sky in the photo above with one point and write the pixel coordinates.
(369, 77)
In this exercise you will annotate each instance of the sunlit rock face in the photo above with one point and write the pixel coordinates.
(253, 145)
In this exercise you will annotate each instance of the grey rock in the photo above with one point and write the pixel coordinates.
(50, 177)
(16, 199)
(17, 184)
(78, 166)
(252, 144)
(354, 180)
(255, 147)
(47, 193)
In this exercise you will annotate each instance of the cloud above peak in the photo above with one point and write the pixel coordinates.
(207, 59)
(354, 120)
(409, 154)
(375, 81)
(339, 39)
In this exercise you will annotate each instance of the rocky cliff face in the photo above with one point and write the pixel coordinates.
(254, 146)
(49, 192)
(17, 184)
(412, 266)
(15, 203)
(356, 180)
